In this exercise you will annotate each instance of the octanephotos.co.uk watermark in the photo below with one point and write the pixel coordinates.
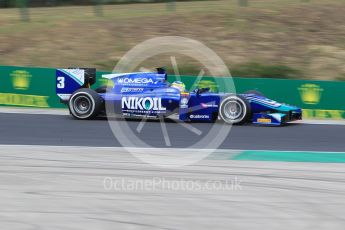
(170, 184)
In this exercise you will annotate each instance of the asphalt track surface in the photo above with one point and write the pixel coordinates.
(51, 180)
(33, 129)
(78, 188)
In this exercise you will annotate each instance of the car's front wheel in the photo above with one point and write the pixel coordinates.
(234, 109)
(85, 104)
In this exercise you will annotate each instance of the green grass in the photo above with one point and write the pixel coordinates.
(269, 38)
(253, 69)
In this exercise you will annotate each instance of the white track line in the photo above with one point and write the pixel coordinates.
(118, 149)
(25, 110)
(65, 112)
(322, 122)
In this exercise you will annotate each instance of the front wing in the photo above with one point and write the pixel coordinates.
(276, 119)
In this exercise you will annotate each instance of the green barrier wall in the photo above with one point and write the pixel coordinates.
(22, 86)
(31, 87)
(35, 87)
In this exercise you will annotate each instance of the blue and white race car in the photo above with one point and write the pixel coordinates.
(150, 95)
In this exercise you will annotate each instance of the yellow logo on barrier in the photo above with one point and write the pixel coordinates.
(107, 82)
(323, 114)
(207, 84)
(21, 79)
(310, 93)
(24, 100)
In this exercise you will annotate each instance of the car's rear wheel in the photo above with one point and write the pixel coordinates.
(102, 89)
(85, 104)
(234, 109)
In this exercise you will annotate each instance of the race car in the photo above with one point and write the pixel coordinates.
(150, 95)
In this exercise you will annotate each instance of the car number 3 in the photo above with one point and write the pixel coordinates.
(61, 82)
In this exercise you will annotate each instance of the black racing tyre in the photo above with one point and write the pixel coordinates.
(215, 117)
(101, 89)
(85, 104)
(258, 93)
(234, 109)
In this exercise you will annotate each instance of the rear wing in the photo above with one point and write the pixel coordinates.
(71, 79)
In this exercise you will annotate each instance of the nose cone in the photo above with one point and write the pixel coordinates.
(287, 107)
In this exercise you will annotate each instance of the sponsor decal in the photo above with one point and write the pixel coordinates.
(132, 90)
(142, 104)
(21, 79)
(264, 120)
(133, 115)
(135, 81)
(184, 103)
(208, 105)
(265, 101)
(310, 93)
(199, 116)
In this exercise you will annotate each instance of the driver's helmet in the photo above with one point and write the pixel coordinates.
(179, 85)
